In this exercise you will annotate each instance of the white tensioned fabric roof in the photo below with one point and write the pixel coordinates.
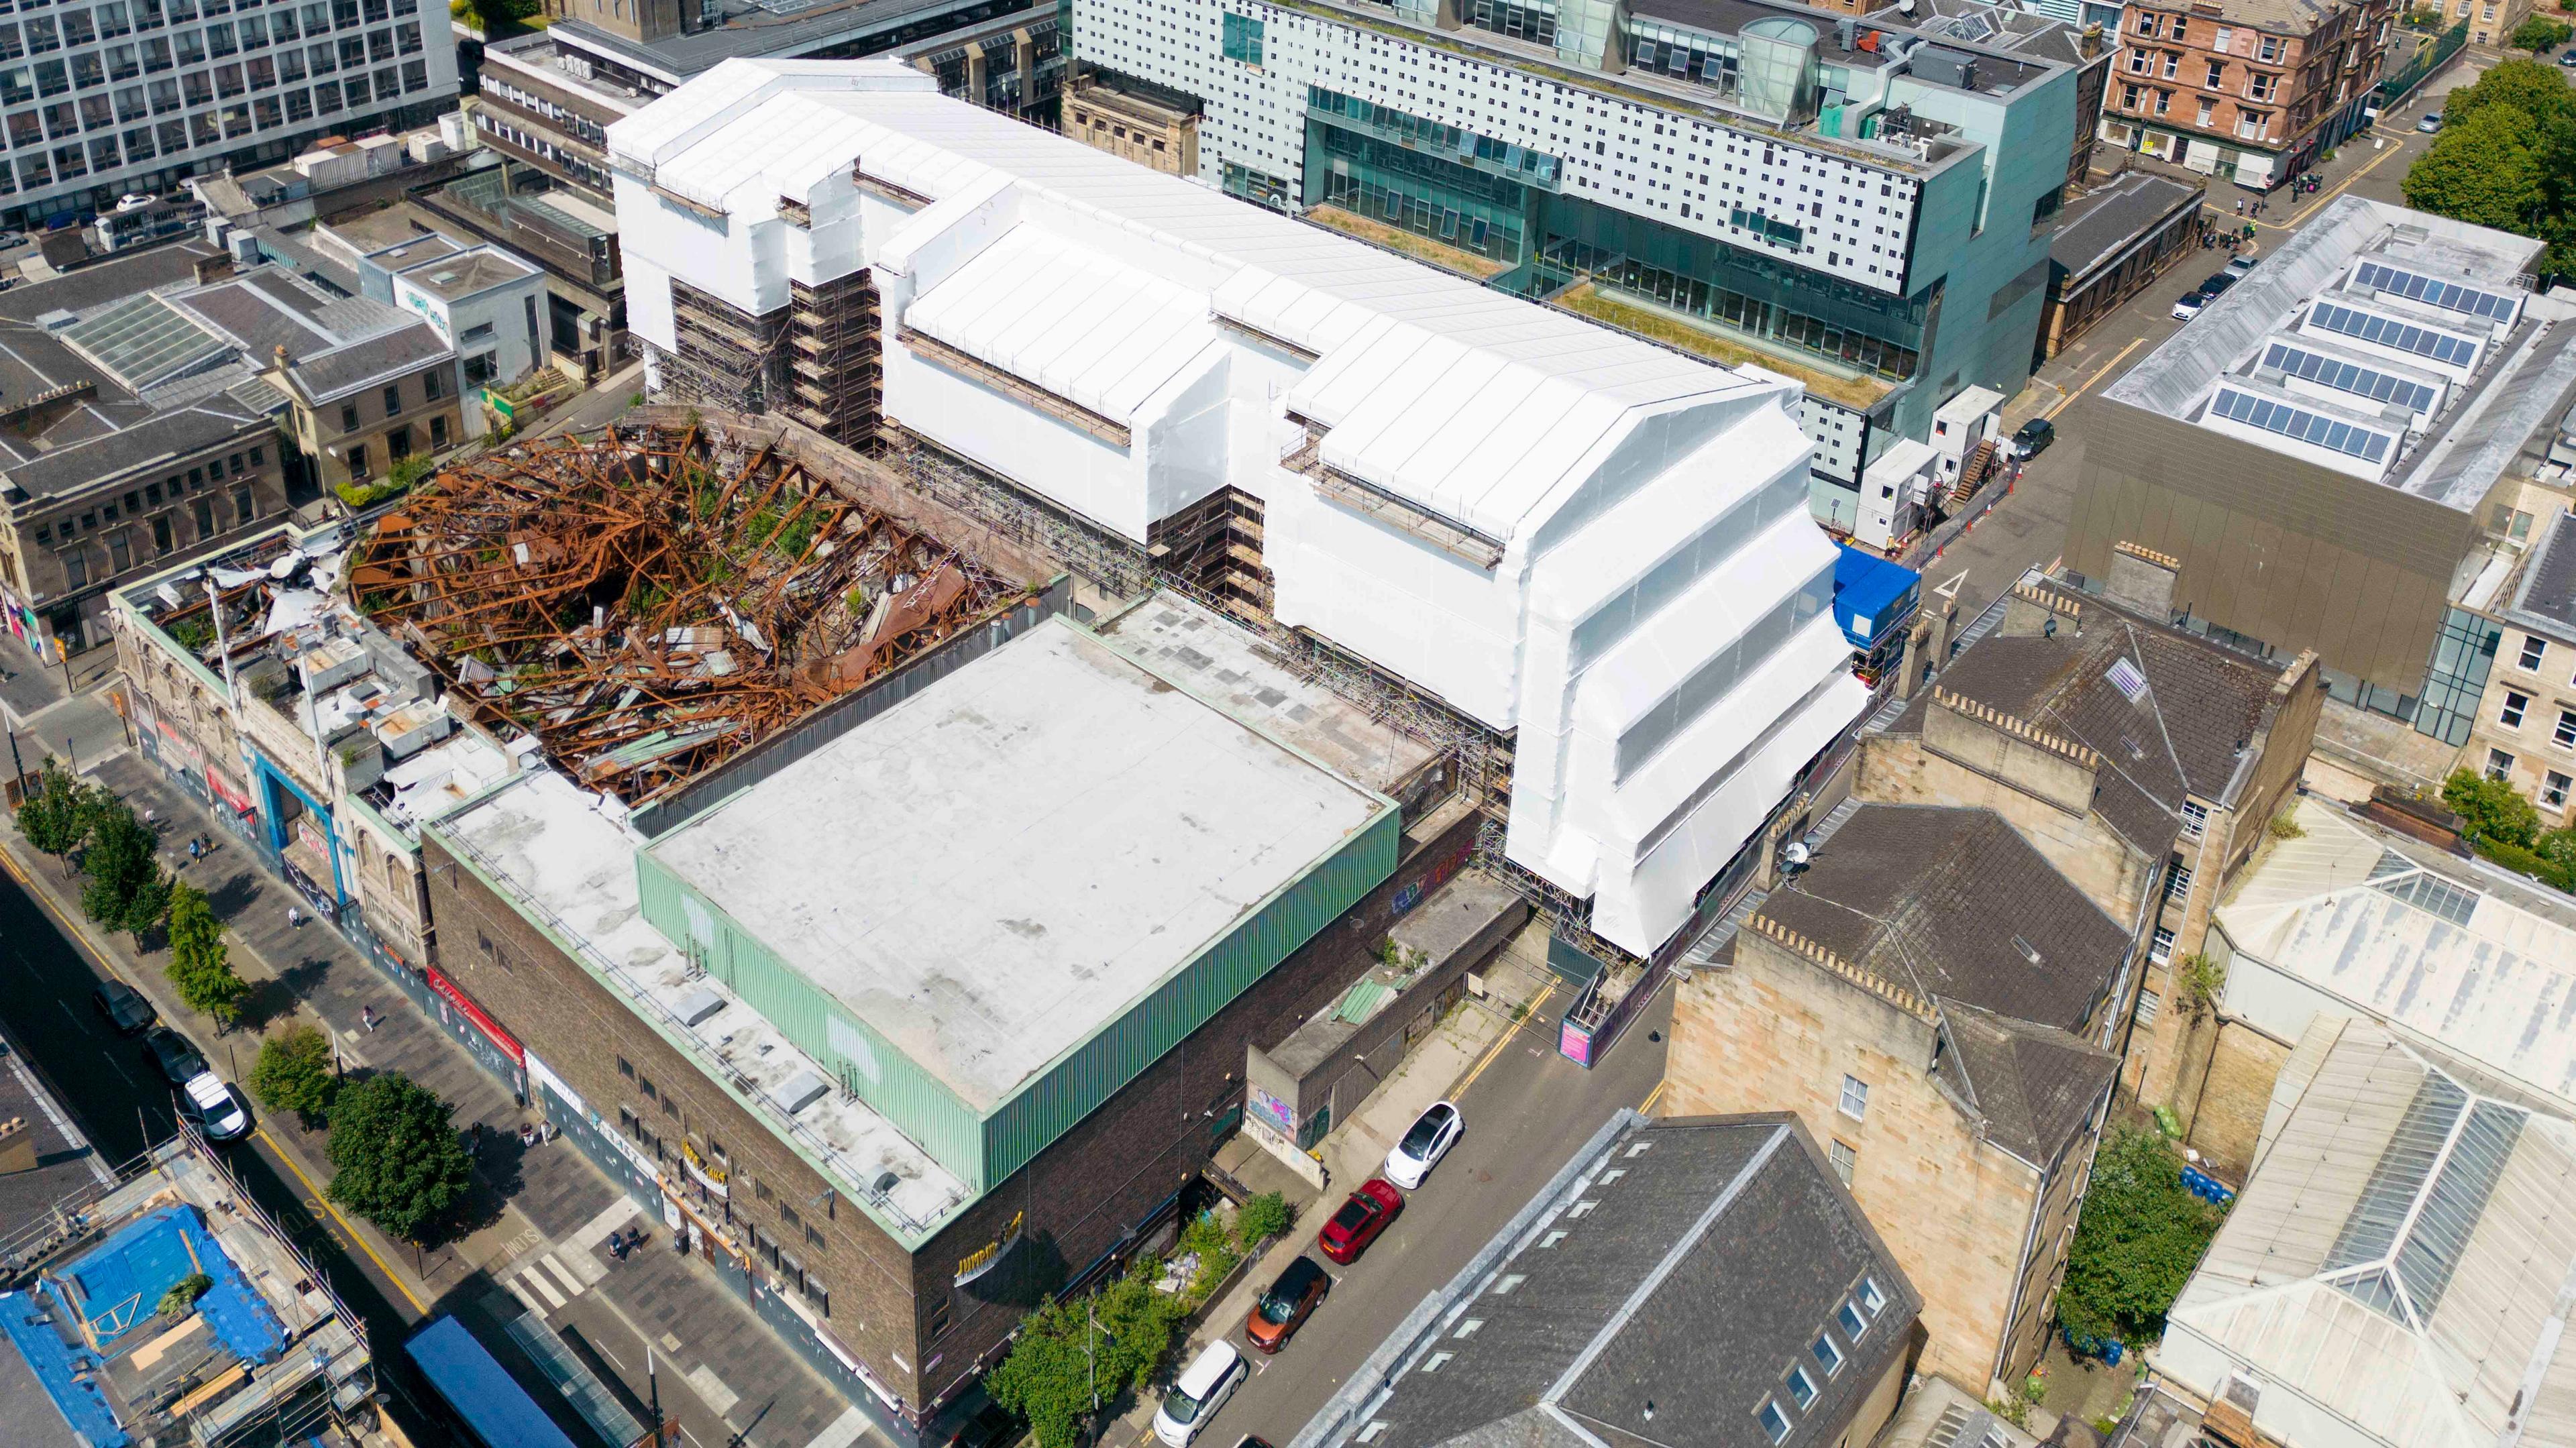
(1075, 322)
(1469, 402)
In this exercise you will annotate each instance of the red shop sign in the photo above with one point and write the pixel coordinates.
(474, 1013)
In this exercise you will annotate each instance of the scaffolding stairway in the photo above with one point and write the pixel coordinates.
(1704, 950)
(1981, 466)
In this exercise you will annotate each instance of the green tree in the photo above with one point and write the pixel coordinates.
(2528, 86)
(57, 811)
(1262, 1218)
(293, 1073)
(2539, 35)
(200, 967)
(183, 1294)
(2492, 809)
(127, 889)
(2484, 170)
(394, 1155)
(2136, 1242)
(1116, 1338)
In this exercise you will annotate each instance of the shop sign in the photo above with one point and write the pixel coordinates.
(989, 1256)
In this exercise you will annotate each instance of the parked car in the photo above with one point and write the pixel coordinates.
(123, 1006)
(2034, 438)
(1361, 1218)
(135, 200)
(2568, 58)
(2238, 266)
(1292, 1297)
(2216, 282)
(1429, 1139)
(1199, 1393)
(2188, 306)
(2432, 122)
(170, 1051)
(215, 1107)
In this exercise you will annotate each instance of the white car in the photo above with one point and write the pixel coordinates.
(214, 1107)
(1425, 1142)
(2190, 305)
(135, 200)
(1202, 1389)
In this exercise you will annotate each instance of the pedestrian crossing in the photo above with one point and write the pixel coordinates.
(549, 1283)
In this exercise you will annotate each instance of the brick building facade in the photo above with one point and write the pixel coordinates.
(2250, 91)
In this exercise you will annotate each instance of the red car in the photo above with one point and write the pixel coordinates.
(1357, 1224)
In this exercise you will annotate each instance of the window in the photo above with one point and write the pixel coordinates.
(2148, 1001)
(120, 554)
(938, 1324)
(205, 512)
(437, 432)
(1828, 1356)
(2499, 764)
(358, 460)
(1802, 1388)
(161, 533)
(2177, 880)
(393, 400)
(255, 458)
(2217, 74)
(2162, 950)
(1775, 1424)
(2565, 734)
(2514, 704)
(1242, 39)
(1872, 1301)
(645, 1085)
(2195, 820)
(625, 1068)
(242, 510)
(76, 567)
(1845, 1160)
(430, 385)
(348, 417)
(1855, 1103)
(1853, 1324)
(2553, 791)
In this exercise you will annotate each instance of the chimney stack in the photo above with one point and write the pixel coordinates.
(2142, 580)
(214, 268)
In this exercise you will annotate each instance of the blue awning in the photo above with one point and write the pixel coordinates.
(489, 1400)
(1872, 597)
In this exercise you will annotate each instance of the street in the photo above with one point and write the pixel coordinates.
(1527, 1109)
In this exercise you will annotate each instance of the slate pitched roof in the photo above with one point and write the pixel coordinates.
(1956, 906)
(1712, 1254)
(2033, 1086)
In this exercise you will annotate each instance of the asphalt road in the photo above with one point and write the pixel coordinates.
(123, 1105)
(1526, 1114)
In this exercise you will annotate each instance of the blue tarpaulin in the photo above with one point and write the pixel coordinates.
(483, 1394)
(117, 1287)
(1872, 597)
(69, 1374)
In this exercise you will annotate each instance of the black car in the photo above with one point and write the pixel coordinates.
(171, 1052)
(122, 1005)
(2034, 437)
(2215, 283)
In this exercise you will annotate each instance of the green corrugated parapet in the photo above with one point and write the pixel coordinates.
(882, 1075)
(1077, 1082)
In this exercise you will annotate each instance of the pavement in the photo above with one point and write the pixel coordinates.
(541, 1215)
(1527, 1110)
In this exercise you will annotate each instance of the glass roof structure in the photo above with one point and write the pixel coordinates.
(143, 340)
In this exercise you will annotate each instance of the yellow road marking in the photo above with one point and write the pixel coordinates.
(1507, 1038)
(73, 932)
(318, 1199)
(1647, 1106)
(2336, 190)
(2099, 373)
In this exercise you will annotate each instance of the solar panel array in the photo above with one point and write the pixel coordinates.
(2301, 424)
(2422, 341)
(2343, 376)
(2450, 296)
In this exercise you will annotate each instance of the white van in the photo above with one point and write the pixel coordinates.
(1204, 1385)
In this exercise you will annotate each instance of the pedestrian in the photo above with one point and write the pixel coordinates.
(151, 815)
(367, 1017)
(196, 851)
(2240, 206)
(294, 918)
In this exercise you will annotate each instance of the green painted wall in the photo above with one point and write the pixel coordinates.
(984, 1150)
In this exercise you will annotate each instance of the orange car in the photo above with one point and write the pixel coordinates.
(1301, 1285)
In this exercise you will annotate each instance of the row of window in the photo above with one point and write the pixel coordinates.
(713, 1159)
(1800, 1386)
(150, 495)
(75, 551)
(2517, 705)
(42, 34)
(32, 169)
(2554, 785)
(21, 84)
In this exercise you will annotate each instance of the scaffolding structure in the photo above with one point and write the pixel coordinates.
(650, 601)
(836, 377)
(725, 357)
(1115, 564)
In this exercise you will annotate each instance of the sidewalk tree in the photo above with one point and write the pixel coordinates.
(200, 966)
(127, 889)
(2540, 34)
(2139, 1237)
(57, 812)
(293, 1072)
(394, 1155)
(1116, 1338)
(2506, 158)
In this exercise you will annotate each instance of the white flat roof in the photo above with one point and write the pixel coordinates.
(997, 867)
(545, 841)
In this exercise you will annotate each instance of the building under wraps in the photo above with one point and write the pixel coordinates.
(1593, 555)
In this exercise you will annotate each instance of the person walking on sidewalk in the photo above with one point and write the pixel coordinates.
(196, 850)
(367, 1017)
(294, 918)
